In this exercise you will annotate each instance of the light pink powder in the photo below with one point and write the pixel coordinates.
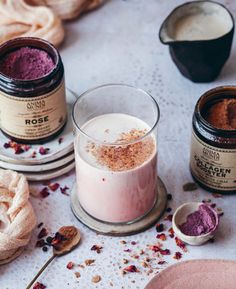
(200, 222)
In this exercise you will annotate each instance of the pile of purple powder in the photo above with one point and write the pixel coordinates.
(26, 63)
(199, 222)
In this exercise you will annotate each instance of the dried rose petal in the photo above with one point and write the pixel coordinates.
(133, 243)
(40, 225)
(159, 228)
(96, 248)
(60, 140)
(40, 243)
(18, 150)
(25, 147)
(169, 218)
(63, 190)
(155, 248)
(171, 233)
(127, 250)
(165, 252)
(33, 155)
(89, 262)
(43, 233)
(44, 192)
(161, 237)
(161, 262)
(53, 187)
(70, 265)
(131, 269)
(43, 151)
(38, 285)
(169, 197)
(6, 145)
(96, 279)
(180, 244)
(177, 255)
(77, 274)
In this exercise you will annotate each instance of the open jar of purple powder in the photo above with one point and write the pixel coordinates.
(32, 90)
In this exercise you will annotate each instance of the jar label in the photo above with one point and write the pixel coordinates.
(32, 118)
(214, 167)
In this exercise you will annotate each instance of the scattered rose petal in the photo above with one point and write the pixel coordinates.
(53, 187)
(43, 151)
(60, 140)
(161, 262)
(159, 228)
(130, 269)
(156, 248)
(169, 197)
(168, 218)
(177, 255)
(77, 274)
(40, 225)
(165, 252)
(123, 242)
(127, 250)
(180, 244)
(161, 236)
(96, 248)
(133, 243)
(6, 145)
(70, 265)
(63, 190)
(33, 155)
(44, 192)
(171, 233)
(38, 285)
(96, 279)
(168, 210)
(18, 150)
(89, 262)
(40, 243)
(43, 233)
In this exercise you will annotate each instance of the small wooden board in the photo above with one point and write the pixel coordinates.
(121, 229)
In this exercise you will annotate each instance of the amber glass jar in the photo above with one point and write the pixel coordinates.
(33, 111)
(213, 149)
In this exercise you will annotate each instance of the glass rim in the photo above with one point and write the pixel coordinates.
(116, 85)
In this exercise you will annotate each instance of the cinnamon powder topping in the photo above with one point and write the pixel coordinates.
(124, 156)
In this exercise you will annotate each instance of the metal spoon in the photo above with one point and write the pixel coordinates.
(71, 239)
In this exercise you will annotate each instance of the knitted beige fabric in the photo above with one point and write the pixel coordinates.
(17, 217)
(68, 9)
(18, 19)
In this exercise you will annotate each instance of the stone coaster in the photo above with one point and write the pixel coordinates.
(51, 174)
(121, 229)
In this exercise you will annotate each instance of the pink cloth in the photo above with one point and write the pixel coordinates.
(196, 274)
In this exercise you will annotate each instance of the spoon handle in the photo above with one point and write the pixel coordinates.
(40, 271)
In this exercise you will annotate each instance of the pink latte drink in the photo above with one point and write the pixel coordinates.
(117, 169)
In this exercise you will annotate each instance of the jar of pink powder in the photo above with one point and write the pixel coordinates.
(32, 90)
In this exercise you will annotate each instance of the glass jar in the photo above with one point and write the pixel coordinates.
(213, 149)
(33, 111)
(116, 152)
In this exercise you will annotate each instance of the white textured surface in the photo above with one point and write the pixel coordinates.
(119, 43)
